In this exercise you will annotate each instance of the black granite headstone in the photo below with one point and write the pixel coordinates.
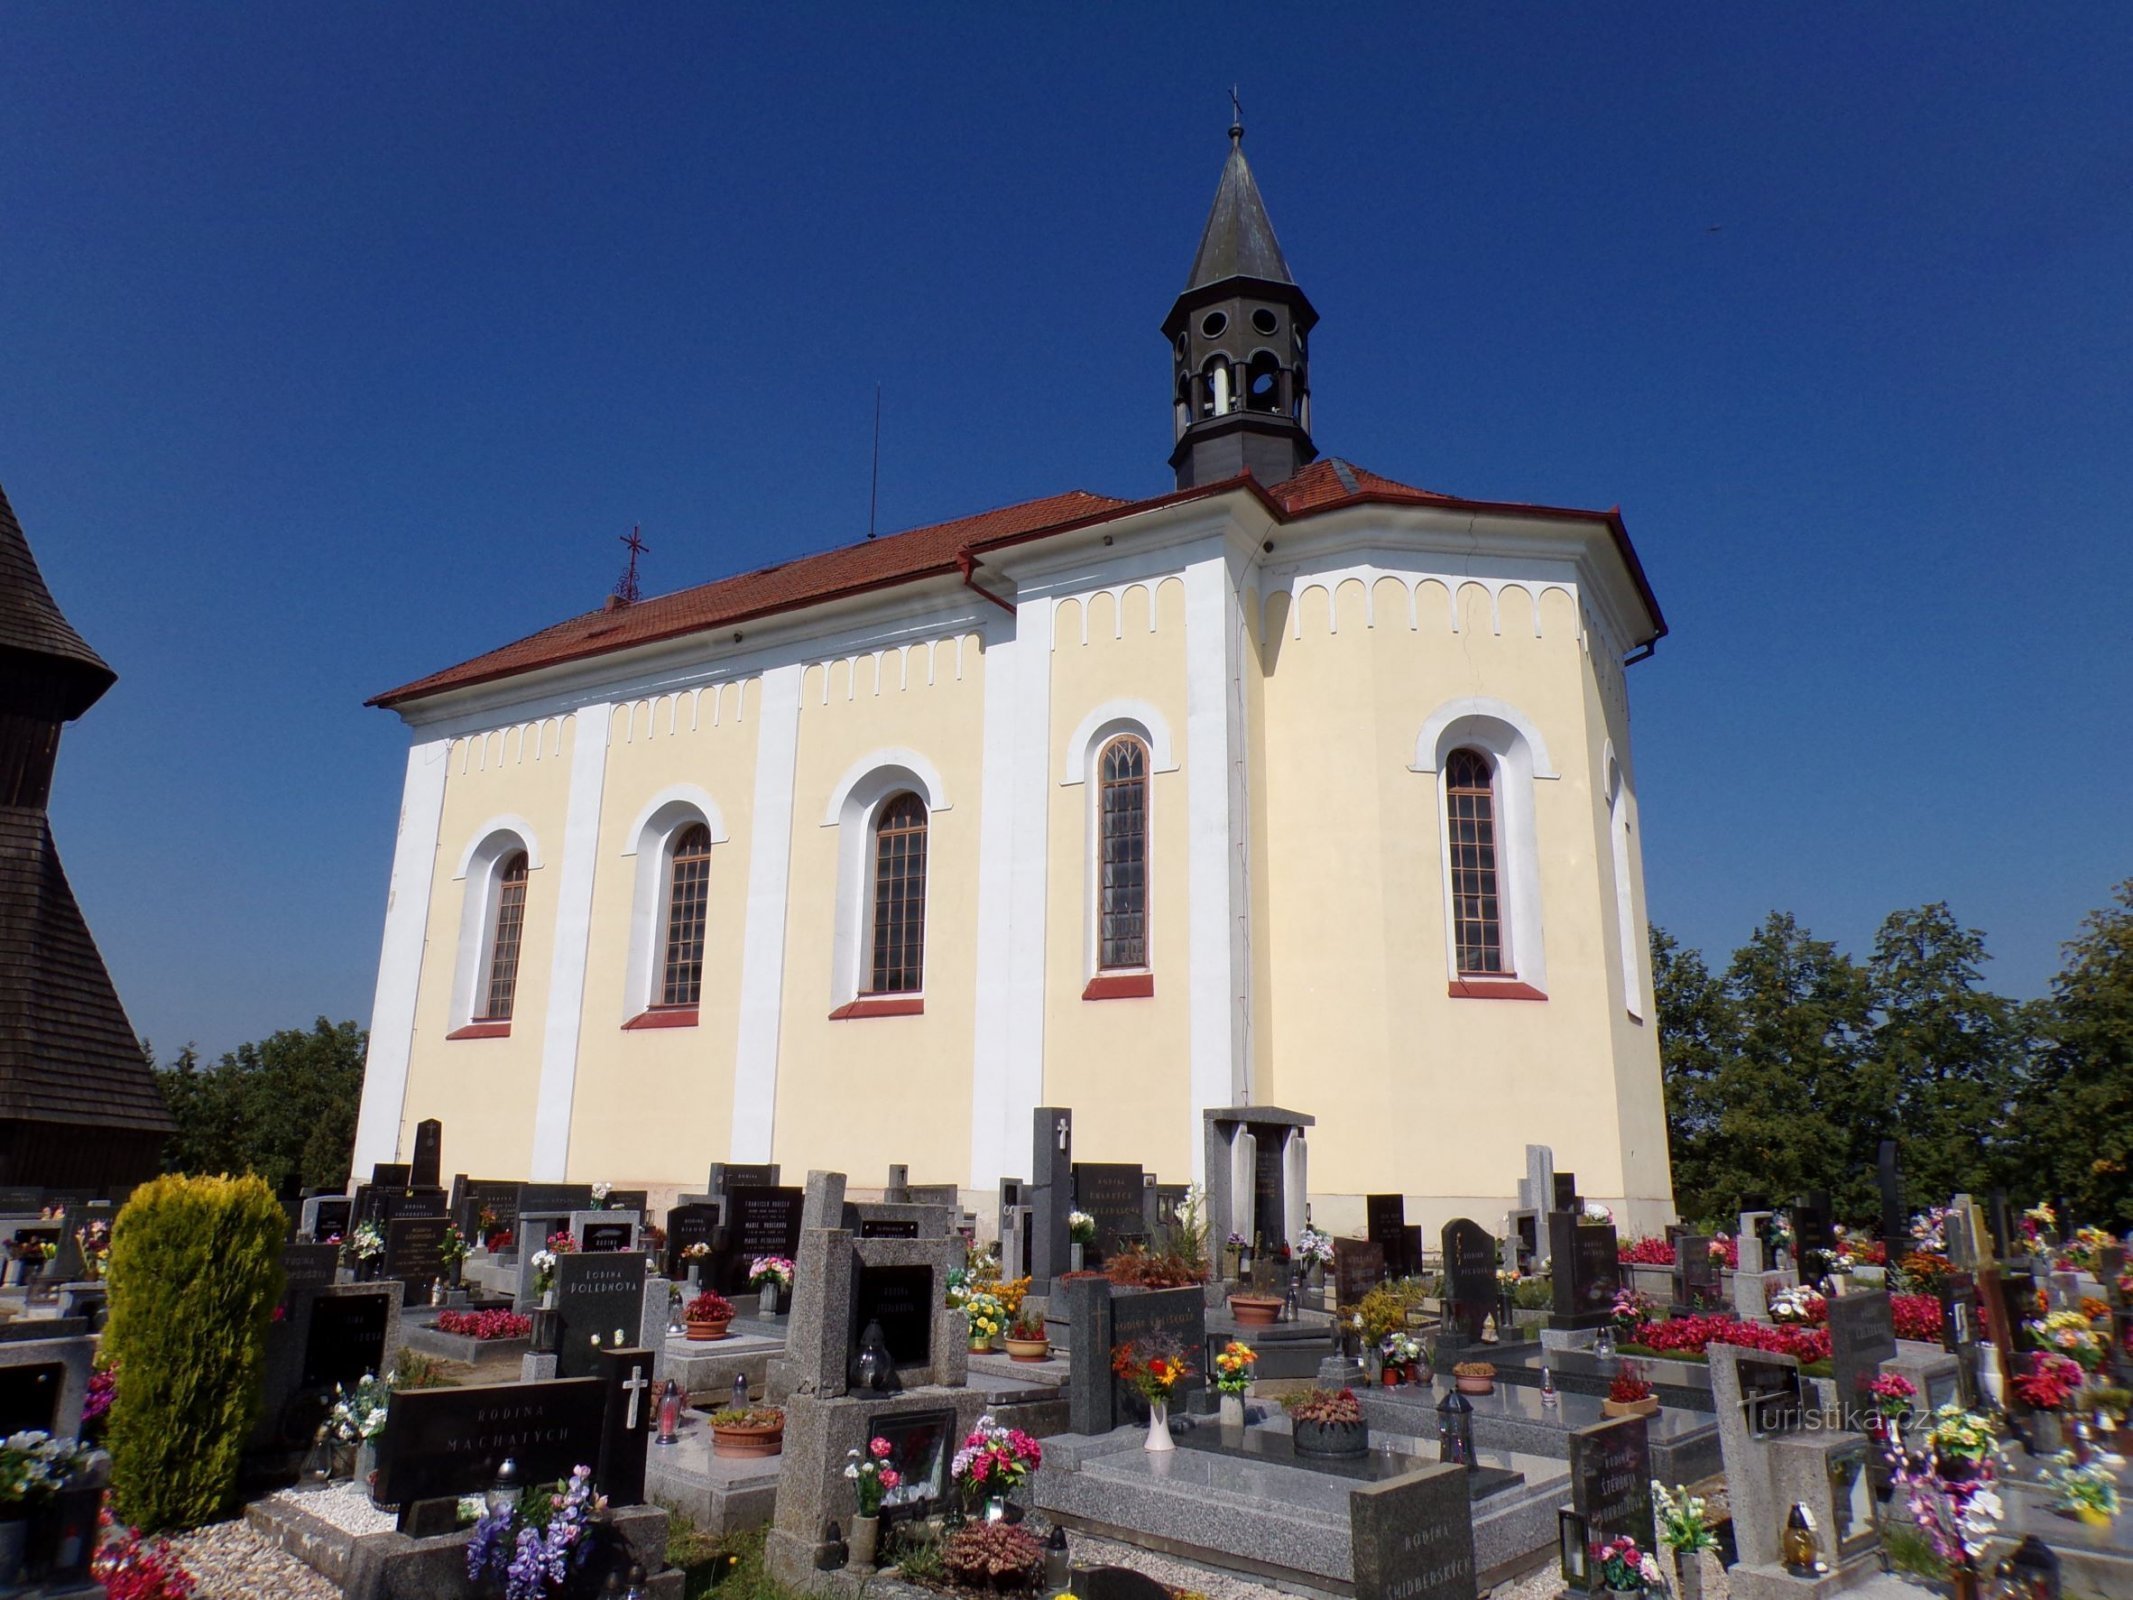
(551, 1199)
(1385, 1225)
(1611, 1479)
(759, 1222)
(625, 1430)
(1862, 1335)
(687, 1225)
(1413, 1537)
(595, 1296)
(1358, 1268)
(1179, 1314)
(414, 1254)
(1270, 1224)
(391, 1175)
(331, 1219)
(600, 1236)
(1470, 1262)
(900, 1299)
(1566, 1192)
(1110, 1191)
(495, 1197)
(449, 1442)
(425, 1170)
(29, 1397)
(346, 1339)
(637, 1200)
(1895, 1221)
(1586, 1270)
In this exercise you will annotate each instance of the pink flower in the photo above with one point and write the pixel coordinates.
(890, 1477)
(880, 1449)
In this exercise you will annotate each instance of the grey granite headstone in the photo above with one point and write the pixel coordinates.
(1051, 1191)
(1862, 1335)
(1611, 1479)
(1749, 1240)
(823, 1201)
(1413, 1536)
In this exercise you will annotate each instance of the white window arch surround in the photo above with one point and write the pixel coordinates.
(1519, 758)
(854, 803)
(1618, 808)
(489, 847)
(647, 843)
(1115, 719)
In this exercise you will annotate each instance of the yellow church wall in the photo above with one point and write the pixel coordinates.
(1122, 1064)
(484, 1090)
(1364, 1035)
(857, 1094)
(656, 1104)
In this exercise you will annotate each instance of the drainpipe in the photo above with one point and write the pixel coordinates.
(966, 563)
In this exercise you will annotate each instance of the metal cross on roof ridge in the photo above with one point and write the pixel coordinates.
(627, 590)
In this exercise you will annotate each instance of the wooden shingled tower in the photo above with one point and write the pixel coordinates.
(79, 1106)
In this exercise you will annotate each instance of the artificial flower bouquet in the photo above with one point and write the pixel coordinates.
(1315, 1249)
(988, 1317)
(1623, 1567)
(1081, 1228)
(1152, 1367)
(872, 1476)
(540, 1545)
(2049, 1381)
(1684, 1520)
(770, 1269)
(1892, 1394)
(1233, 1367)
(995, 1460)
(2071, 1334)
(359, 1413)
(1799, 1306)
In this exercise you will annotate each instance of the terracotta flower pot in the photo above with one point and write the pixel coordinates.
(1029, 1349)
(1630, 1408)
(1254, 1310)
(742, 1443)
(1476, 1385)
(701, 1332)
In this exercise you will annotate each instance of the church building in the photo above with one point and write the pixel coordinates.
(1293, 785)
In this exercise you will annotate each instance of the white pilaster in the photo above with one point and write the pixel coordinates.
(573, 936)
(407, 913)
(1219, 968)
(1007, 1068)
(755, 1051)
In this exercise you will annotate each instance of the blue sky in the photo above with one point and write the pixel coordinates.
(339, 343)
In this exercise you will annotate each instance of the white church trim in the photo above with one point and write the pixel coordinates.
(894, 764)
(507, 823)
(407, 915)
(1626, 923)
(497, 838)
(573, 935)
(1106, 723)
(859, 794)
(1519, 756)
(677, 806)
(770, 822)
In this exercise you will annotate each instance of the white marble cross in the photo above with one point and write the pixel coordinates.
(636, 1383)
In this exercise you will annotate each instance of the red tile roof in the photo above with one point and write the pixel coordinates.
(926, 553)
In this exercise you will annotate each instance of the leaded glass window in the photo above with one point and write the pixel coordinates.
(898, 952)
(688, 912)
(507, 923)
(1122, 855)
(1477, 899)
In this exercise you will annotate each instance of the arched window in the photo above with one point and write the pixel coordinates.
(507, 925)
(1122, 855)
(1470, 820)
(897, 947)
(688, 909)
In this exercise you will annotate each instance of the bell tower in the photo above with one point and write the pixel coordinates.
(1240, 371)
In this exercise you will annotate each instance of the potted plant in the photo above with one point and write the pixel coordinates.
(1081, 1233)
(1624, 1569)
(747, 1431)
(1026, 1339)
(1327, 1422)
(988, 1320)
(357, 1421)
(1255, 1310)
(453, 1253)
(1630, 1395)
(34, 1467)
(2084, 1492)
(1684, 1528)
(1403, 1355)
(1475, 1377)
(1154, 1367)
(771, 1278)
(551, 1540)
(695, 1258)
(365, 1248)
(2047, 1386)
(1233, 1375)
(993, 1556)
(873, 1477)
(708, 1316)
(993, 1463)
(1595, 1215)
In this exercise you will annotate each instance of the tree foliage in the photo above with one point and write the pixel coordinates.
(1784, 1072)
(283, 1107)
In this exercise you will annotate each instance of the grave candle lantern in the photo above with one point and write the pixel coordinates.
(503, 1492)
(1571, 1554)
(1455, 1428)
(669, 1412)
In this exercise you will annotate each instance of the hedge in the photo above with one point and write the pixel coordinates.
(195, 1276)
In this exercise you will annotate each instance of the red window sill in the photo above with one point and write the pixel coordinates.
(1493, 989)
(663, 1017)
(1120, 986)
(880, 1005)
(482, 1030)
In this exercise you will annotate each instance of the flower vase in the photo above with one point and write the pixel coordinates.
(548, 1298)
(766, 1300)
(1159, 1438)
(1230, 1414)
(2047, 1433)
(1688, 1574)
(366, 1462)
(1077, 1253)
(1315, 1276)
(996, 1508)
(696, 1279)
(864, 1541)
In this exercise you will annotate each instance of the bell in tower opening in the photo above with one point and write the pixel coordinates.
(1240, 372)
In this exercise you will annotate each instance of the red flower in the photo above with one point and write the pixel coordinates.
(1917, 1316)
(1645, 1253)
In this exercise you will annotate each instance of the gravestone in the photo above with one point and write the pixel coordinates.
(288, 1416)
(1180, 1314)
(414, 1255)
(1959, 1330)
(1611, 1480)
(1110, 1191)
(604, 1230)
(1696, 1275)
(1469, 1277)
(1257, 1167)
(1862, 1335)
(687, 1225)
(1536, 1193)
(1100, 1319)
(626, 1412)
(888, 1228)
(1385, 1225)
(30, 1396)
(637, 1201)
(1566, 1196)
(471, 1197)
(899, 1299)
(426, 1168)
(1524, 1248)
(443, 1443)
(727, 1176)
(391, 1175)
(351, 1334)
(922, 1445)
(595, 1295)
(1050, 1195)
(1358, 1268)
(1813, 1235)
(934, 1194)
(759, 1222)
(1413, 1536)
(552, 1200)
(1015, 1219)
(1895, 1221)
(326, 1216)
(1587, 1270)
(1748, 1241)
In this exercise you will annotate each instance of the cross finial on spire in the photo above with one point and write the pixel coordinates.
(1236, 117)
(627, 591)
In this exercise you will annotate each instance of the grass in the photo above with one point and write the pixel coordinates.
(1909, 1550)
(727, 1564)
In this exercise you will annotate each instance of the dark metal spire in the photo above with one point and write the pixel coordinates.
(1238, 241)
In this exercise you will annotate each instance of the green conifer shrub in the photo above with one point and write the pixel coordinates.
(195, 1275)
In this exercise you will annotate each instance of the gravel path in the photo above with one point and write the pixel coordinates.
(234, 1563)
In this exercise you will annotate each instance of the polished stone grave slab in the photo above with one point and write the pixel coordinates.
(1685, 1446)
(1685, 1385)
(1272, 1445)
